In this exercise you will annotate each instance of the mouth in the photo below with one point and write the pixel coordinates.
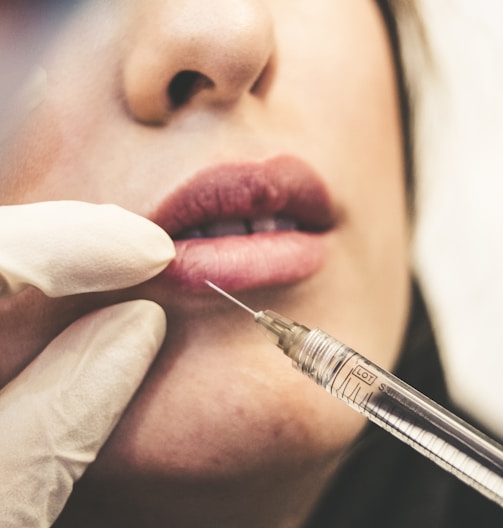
(247, 225)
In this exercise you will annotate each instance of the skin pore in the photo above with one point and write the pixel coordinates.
(223, 432)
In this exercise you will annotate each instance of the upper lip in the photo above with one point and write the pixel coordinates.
(282, 185)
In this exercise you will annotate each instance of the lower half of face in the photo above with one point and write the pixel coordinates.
(221, 403)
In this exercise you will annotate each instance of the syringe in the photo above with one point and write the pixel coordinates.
(387, 401)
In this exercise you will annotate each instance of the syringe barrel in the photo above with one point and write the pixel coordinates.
(402, 411)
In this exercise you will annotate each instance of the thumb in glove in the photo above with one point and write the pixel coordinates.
(56, 415)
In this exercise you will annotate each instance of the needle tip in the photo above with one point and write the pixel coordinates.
(230, 297)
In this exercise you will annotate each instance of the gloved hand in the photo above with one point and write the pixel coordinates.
(56, 415)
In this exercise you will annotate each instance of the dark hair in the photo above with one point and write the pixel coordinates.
(404, 98)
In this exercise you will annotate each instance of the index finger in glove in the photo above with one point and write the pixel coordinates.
(68, 247)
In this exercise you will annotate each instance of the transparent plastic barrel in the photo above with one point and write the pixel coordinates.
(402, 411)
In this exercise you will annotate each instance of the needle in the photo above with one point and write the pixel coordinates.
(230, 297)
(390, 403)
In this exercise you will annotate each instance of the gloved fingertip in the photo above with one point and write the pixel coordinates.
(96, 364)
(70, 247)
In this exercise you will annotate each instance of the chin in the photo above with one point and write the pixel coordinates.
(205, 439)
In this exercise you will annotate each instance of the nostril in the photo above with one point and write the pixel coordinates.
(185, 85)
(265, 79)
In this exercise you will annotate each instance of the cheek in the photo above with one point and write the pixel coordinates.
(29, 158)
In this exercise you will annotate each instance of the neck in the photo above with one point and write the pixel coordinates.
(283, 499)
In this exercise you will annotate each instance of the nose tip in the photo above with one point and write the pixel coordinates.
(204, 53)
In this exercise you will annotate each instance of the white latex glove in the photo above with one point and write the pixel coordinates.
(56, 415)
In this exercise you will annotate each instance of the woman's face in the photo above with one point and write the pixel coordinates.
(212, 119)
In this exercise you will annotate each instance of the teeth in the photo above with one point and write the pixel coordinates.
(236, 227)
(268, 224)
(225, 228)
(265, 224)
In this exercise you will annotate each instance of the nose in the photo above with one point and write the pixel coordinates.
(196, 52)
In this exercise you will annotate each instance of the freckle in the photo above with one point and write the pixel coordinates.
(277, 431)
(240, 411)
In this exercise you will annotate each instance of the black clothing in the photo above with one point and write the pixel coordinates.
(385, 483)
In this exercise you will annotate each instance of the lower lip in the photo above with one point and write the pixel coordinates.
(247, 262)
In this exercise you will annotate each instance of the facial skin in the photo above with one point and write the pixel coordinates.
(223, 432)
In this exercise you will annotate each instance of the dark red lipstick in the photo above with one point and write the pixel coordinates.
(247, 225)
